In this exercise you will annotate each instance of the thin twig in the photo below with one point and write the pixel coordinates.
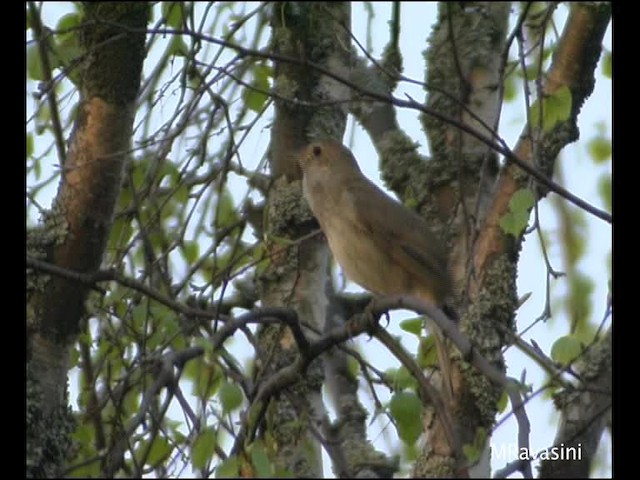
(36, 24)
(111, 275)
(499, 147)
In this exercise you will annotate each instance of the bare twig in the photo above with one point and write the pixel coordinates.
(500, 147)
(90, 280)
(36, 24)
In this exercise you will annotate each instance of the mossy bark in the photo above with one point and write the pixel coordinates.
(75, 232)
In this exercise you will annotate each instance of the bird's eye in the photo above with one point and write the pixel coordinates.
(317, 150)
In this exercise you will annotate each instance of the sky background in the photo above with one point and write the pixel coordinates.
(580, 177)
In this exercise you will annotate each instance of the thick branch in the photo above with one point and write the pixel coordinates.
(573, 66)
(77, 228)
(585, 411)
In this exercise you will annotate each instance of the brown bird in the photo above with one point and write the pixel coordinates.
(379, 243)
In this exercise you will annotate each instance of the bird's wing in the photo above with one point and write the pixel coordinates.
(418, 250)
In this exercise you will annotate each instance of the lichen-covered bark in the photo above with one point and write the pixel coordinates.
(586, 410)
(296, 277)
(463, 68)
(74, 234)
(573, 66)
(489, 258)
(311, 32)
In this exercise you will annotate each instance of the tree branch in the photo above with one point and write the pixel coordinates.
(500, 146)
(111, 275)
(471, 355)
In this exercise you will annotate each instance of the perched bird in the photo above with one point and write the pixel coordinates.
(379, 243)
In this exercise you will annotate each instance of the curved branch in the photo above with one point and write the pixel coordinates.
(585, 410)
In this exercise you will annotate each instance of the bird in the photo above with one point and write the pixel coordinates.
(380, 244)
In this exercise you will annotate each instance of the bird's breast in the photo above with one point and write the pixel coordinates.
(363, 260)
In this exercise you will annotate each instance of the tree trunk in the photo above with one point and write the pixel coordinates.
(484, 256)
(296, 277)
(75, 232)
(463, 71)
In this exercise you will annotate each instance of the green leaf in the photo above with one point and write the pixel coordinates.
(203, 448)
(63, 55)
(406, 409)
(412, 325)
(399, 378)
(262, 77)
(600, 149)
(172, 12)
(121, 232)
(43, 118)
(170, 172)
(181, 195)
(74, 358)
(260, 460)
(139, 315)
(34, 65)
(607, 64)
(353, 367)
(513, 223)
(163, 315)
(556, 108)
(205, 344)
(178, 47)
(68, 25)
(531, 71)
(131, 402)
(580, 305)
(29, 144)
(254, 99)
(566, 349)
(228, 468)
(37, 169)
(474, 450)
(503, 401)
(522, 200)
(606, 191)
(256, 96)
(160, 450)
(84, 434)
(230, 396)
(226, 214)
(191, 251)
(427, 352)
(516, 220)
(510, 91)
(207, 379)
